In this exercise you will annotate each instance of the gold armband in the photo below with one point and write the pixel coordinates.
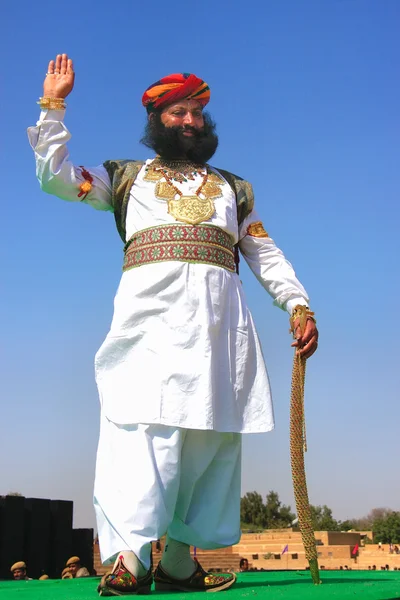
(303, 313)
(48, 103)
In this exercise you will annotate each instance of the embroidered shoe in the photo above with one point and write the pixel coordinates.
(121, 582)
(200, 581)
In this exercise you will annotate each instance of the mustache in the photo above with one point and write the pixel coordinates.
(197, 132)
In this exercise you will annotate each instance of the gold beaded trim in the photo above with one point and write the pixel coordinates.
(177, 170)
(48, 103)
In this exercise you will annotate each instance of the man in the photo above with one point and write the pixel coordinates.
(243, 565)
(181, 374)
(75, 568)
(66, 574)
(18, 571)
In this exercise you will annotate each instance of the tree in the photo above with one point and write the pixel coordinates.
(278, 515)
(252, 510)
(348, 525)
(322, 519)
(367, 522)
(273, 514)
(386, 528)
(378, 513)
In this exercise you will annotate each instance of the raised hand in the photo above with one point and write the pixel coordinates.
(60, 77)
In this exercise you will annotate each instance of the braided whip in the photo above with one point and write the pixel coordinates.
(298, 446)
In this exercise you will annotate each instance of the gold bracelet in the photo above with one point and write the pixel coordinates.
(48, 103)
(303, 313)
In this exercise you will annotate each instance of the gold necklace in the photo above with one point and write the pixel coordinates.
(192, 209)
(178, 170)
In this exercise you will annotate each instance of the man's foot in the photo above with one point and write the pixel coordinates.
(200, 581)
(121, 582)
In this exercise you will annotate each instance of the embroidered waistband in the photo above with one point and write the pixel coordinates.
(206, 244)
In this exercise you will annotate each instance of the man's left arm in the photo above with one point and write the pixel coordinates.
(277, 276)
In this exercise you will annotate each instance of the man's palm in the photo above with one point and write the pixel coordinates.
(60, 77)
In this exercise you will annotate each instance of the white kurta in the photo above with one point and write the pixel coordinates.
(182, 349)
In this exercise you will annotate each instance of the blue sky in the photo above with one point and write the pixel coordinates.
(306, 99)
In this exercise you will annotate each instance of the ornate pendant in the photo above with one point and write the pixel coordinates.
(191, 209)
(211, 189)
(165, 191)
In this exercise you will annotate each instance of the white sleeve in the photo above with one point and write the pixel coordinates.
(56, 173)
(269, 265)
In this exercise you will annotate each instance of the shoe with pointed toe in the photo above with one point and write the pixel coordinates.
(121, 582)
(199, 581)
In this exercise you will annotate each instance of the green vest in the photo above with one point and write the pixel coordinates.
(123, 173)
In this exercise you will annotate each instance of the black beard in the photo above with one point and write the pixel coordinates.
(170, 143)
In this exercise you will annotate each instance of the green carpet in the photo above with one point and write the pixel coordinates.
(271, 585)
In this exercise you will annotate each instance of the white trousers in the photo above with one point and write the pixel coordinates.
(153, 479)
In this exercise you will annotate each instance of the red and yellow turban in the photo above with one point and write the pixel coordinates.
(179, 86)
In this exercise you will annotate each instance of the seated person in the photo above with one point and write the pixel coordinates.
(243, 565)
(75, 567)
(18, 571)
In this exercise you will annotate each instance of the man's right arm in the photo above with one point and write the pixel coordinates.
(56, 173)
